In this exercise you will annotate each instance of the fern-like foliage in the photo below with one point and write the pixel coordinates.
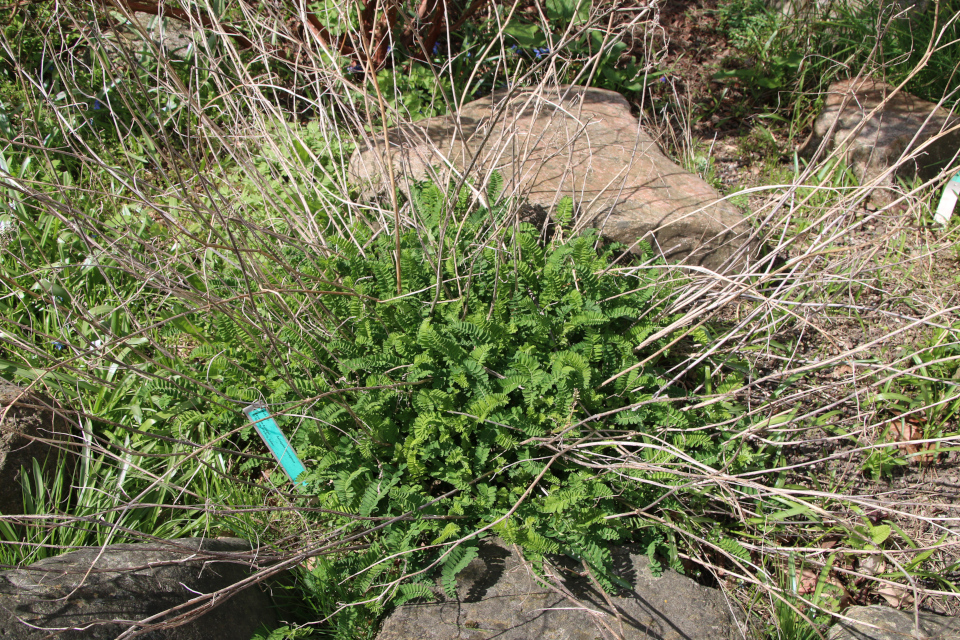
(456, 561)
(438, 401)
(496, 342)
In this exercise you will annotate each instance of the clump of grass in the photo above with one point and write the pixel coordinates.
(760, 144)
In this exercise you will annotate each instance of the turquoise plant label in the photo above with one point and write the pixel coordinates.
(278, 444)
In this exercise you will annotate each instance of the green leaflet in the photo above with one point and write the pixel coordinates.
(455, 562)
(412, 591)
(734, 548)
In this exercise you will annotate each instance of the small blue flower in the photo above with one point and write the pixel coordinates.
(662, 79)
(96, 105)
(539, 52)
(436, 48)
(58, 345)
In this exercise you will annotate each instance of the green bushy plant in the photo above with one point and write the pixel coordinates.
(416, 90)
(597, 56)
(456, 397)
(850, 39)
(904, 42)
(764, 37)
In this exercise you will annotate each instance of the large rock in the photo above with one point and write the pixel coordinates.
(884, 623)
(569, 141)
(31, 427)
(901, 129)
(98, 593)
(499, 598)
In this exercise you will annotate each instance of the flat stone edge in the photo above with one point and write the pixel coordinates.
(629, 558)
(893, 623)
(30, 582)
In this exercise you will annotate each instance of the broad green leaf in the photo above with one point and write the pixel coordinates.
(526, 35)
(879, 533)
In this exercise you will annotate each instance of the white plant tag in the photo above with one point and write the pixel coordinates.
(948, 201)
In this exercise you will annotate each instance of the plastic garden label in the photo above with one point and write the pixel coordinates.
(278, 444)
(948, 201)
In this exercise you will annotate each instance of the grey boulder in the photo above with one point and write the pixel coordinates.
(884, 623)
(499, 598)
(31, 428)
(916, 136)
(568, 141)
(97, 593)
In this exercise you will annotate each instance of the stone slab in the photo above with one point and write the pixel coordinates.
(499, 599)
(568, 141)
(97, 593)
